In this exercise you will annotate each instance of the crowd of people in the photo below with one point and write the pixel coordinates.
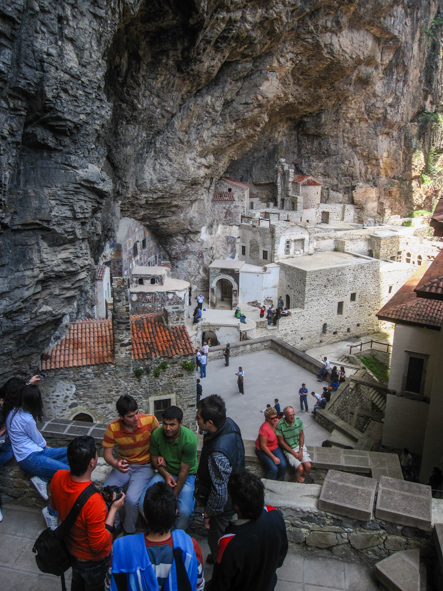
(155, 473)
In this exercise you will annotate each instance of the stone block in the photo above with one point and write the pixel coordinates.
(401, 571)
(348, 494)
(321, 539)
(339, 439)
(395, 543)
(403, 502)
(328, 457)
(356, 461)
(363, 539)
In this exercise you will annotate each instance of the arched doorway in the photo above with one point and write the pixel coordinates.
(210, 334)
(223, 289)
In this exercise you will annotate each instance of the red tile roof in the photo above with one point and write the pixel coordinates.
(431, 285)
(236, 183)
(151, 338)
(100, 273)
(406, 308)
(306, 179)
(88, 342)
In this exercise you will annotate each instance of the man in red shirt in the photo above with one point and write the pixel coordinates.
(89, 541)
(131, 432)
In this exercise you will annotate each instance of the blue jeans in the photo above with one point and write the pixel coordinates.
(304, 400)
(273, 472)
(6, 452)
(185, 501)
(89, 575)
(45, 463)
(203, 370)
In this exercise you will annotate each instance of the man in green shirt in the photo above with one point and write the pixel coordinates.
(291, 438)
(174, 455)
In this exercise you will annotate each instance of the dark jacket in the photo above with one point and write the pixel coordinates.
(226, 440)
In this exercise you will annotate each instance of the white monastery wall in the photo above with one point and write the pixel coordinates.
(413, 339)
(311, 195)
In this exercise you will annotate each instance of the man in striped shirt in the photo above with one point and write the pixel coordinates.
(131, 432)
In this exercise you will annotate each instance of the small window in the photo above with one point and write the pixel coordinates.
(135, 250)
(288, 301)
(152, 280)
(324, 328)
(82, 416)
(158, 404)
(390, 288)
(399, 255)
(243, 250)
(159, 407)
(408, 257)
(419, 260)
(144, 243)
(348, 330)
(229, 190)
(265, 255)
(288, 247)
(340, 308)
(353, 297)
(140, 281)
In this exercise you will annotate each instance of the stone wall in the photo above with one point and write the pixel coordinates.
(344, 404)
(95, 389)
(256, 239)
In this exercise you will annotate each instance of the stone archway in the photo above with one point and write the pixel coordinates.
(224, 293)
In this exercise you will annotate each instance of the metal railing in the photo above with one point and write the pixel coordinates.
(370, 343)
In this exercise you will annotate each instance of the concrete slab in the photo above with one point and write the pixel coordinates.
(339, 439)
(329, 458)
(401, 571)
(291, 495)
(356, 461)
(403, 502)
(333, 576)
(437, 511)
(348, 494)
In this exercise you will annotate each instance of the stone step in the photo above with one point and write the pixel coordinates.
(400, 571)
(339, 439)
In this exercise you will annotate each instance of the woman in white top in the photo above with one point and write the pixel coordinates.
(28, 444)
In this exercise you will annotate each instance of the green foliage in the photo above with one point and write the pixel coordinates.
(163, 365)
(379, 369)
(418, 214)
(157, 371)
(407, 223)
(430, 117)
(188, 365)
(138, 372)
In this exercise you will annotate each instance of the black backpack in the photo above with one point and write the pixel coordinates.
(51, 553)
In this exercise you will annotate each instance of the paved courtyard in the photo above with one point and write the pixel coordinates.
(268, 375)
(307, 571)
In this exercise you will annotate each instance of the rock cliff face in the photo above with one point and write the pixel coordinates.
(138, 107)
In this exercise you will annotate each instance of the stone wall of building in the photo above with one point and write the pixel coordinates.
(255, 240)
(323, 289)
(228, 203)
(95, 389)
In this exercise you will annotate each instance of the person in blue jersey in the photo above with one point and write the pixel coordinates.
(157, 559)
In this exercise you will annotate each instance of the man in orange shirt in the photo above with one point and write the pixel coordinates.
(89, 541)
(131, 432)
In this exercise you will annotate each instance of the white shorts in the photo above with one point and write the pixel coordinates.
(296, 463)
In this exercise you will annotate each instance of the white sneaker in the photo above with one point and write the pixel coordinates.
(51, 520)
(41, 486)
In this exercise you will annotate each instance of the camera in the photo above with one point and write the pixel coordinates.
(108, 491)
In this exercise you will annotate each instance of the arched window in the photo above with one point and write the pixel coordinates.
(152, 280)
(82, 416)
(140, 281)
